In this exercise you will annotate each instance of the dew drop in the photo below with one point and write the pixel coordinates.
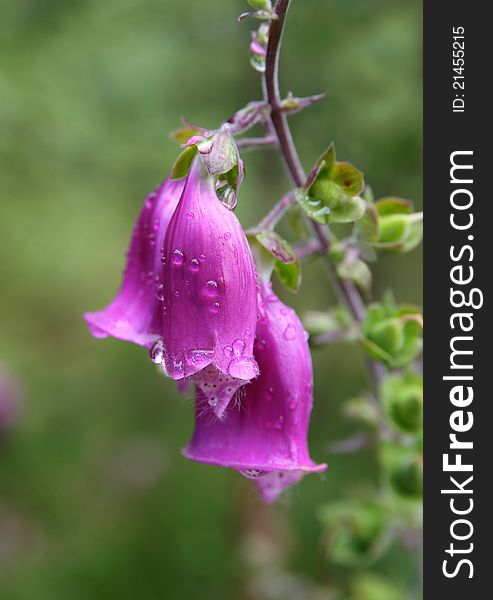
(290, 332)
(271, 298)
(228, 351)
(211, 289)
(200, 358)
(194, 265)
(190, 215)
(157, 352)
(160, 292)
(242, 368)
(178, 258)
(227, 235)
(238, 347)
(214, 308)
(202, 258)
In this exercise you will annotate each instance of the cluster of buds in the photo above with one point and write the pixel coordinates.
(192, 296)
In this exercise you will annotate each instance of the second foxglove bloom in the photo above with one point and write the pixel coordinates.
(264, 434)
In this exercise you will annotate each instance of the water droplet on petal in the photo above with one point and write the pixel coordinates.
(178, 258)
(214, 308)
(228, 351)
(271, 298)
(242, 368)
(194, 265)
(238, 347)
(200, 358)
(290, 332)
(202, 258)
(190, 215)
(157, 352)
(160, 292)
(227, 235)
(211, 289)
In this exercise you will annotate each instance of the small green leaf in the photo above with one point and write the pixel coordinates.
(183, 134)
(368, 226)
(289, 274)
(277, 246)
(348, 178)
(183, 162)
(356, 271)
(391, 205)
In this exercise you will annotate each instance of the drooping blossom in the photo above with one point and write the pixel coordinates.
(135, 313)
(209, 294)
(264, 434)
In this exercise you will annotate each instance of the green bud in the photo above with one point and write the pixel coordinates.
(407, 478)
(357, 532)
(400, 230)
(402, 398)
(404, 468)
(260, 4)
(332, 193)
(391, 334)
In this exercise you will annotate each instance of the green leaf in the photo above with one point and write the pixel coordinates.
(368, 226)
(347, 177)
(289, 274)
(277, 246)
(287, 264)
(183, 162)
(356, 271)
(183, 134)
(391, 205)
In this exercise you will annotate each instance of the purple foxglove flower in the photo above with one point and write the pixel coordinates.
(210, 302)
(135, 314)
(209, 294)
(264, 436)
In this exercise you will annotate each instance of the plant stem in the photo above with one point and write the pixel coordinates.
(346, 290)
(256, 142)
(277, 211)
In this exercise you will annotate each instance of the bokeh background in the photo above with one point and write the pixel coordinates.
(95, 499)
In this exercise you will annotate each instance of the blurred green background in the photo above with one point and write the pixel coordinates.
(95, 499)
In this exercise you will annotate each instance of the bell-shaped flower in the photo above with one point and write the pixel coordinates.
(264, 434)
(135, 314)
(209, 293)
